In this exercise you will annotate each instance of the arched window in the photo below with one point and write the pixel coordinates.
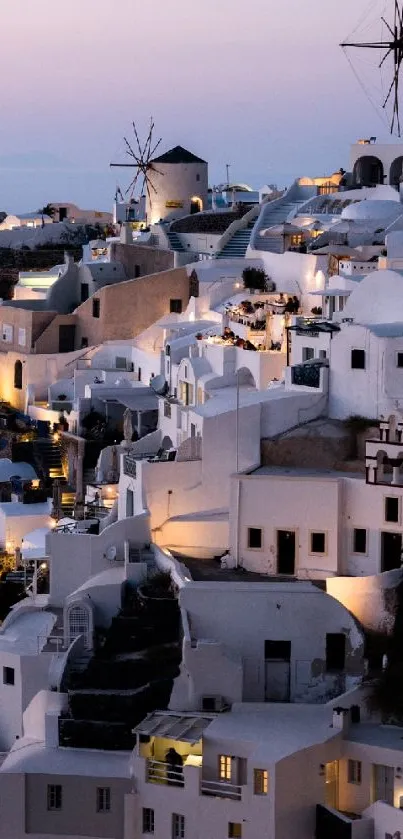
(18, 375)
(368, 171)
(396, 171)
(79, 623)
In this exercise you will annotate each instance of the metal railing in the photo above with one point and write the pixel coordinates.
(130, 466)
(221, 789)
(160, 772)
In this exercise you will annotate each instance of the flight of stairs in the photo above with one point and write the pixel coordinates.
(48, 459)
(238, 244)
(174, 241)
(273, 215)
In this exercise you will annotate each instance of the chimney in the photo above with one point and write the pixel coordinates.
(341, 719)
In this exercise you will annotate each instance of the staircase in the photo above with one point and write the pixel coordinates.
(271, 216)
(238, 244)
(174, 241)
(48, 459)
(278, 212)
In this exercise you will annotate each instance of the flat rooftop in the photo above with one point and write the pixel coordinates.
(209, 570)
(28, 633)
(299, 472)
(383, 736)
(31, 756)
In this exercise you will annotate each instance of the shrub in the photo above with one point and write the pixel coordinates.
(255, 278)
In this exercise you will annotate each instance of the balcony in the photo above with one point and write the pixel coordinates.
(306, 375)
(221, 789)
(160, 772)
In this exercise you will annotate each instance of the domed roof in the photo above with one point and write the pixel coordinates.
(378, 298)
(374, 210)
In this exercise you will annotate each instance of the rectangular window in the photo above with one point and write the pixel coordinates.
(318, 543)
(260, 781)
(359, 540)
(8, 676)
(307, 353)
(137, 271)
(322, 354)
(358, 359)
(225, 767)
(354, 771)
(54, 797)
(399, 359)
(234, 830)
(178, 826)
(103, 799)
(96, 307)
(392, 509)
(139, 374)
(175, 306)
(335, 651)
(8, 332)
(255, 538)
(148, 820)
(167, 410)
(22, 337)
(84, 343)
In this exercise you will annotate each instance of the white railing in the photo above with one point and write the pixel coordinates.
(160, 772)
(221, 789)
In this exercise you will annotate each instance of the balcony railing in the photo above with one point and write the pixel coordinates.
(160, 772)
(306, 375)
(221, 789)
(130, 466)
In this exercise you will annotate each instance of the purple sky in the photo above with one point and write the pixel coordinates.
(260, 84)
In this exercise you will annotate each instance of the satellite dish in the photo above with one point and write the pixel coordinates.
(111, 553)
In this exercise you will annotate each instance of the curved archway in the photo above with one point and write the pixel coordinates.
(196, 204)
(245, 377)
(79, 622)
(18, 375)
(368, 171)
(396, 171)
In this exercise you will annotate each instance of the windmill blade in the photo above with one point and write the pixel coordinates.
(137, 138)
(149, 194)
(150, 183)
(129, 150)
(147, 146)
(132, 186)
(388, 27)
(392, 86)
(152, 152)
(152, 168)
(387, 54)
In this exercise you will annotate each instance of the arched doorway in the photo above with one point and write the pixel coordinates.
(196, 204)
(79, 622)
(368, 171)
(396, 171)
(18, 375)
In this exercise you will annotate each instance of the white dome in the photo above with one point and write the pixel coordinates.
(378, 298)
(374, 210)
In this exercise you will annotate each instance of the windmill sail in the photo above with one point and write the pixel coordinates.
(374, 50)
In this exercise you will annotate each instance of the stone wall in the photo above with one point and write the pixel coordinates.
(139, 260)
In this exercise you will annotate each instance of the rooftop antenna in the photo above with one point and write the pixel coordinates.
(227, 166)
(390, 46)
(141, 161)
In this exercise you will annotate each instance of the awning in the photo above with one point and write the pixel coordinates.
(188, 728)
(331, 292)
(139, 402)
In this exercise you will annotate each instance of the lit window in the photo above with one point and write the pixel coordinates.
(359, 540)
(148, 820)
(260, 781)
(54, 797)
(318, 543)
(178, 826)
(234, 830)
(225, 767)
(358, 359)
(103, 799)
(354, 772)
(255, 538)
(392, 509)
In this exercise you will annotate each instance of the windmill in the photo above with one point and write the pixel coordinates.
(141, 161)
(389, 45)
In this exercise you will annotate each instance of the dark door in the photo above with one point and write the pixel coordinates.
(66, 338)
(391, 551)
(62, 213)
(85, 290)
(277, 670)
(286, 552)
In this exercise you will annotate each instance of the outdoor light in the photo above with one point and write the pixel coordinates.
(43, 565)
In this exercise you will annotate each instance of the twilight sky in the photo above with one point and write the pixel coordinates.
(259, 84)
